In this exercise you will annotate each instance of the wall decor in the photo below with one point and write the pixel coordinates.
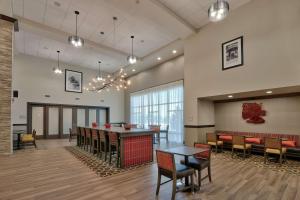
(73, 81)
(232, 53)
(253, 113)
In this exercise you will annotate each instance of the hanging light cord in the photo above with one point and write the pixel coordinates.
(58, 59)
(132, 45)
(99, 69)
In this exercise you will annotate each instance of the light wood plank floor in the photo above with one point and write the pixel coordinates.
(52, 173)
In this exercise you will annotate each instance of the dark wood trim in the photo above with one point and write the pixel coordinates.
(242, 53)
(66, 105)
(271, 96)
(199, 126)
(12, 20)
(19, 124)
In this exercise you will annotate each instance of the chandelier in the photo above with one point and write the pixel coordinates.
(218, 10)
(112, 81)
(75, 40)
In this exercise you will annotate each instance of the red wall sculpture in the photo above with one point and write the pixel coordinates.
(253, 113)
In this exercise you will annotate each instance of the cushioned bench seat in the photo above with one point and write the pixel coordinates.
(291, 142)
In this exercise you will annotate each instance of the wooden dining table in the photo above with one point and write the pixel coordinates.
(136, 145)
(186, 152)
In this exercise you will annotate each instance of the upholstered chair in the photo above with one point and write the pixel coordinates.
(274, 146)
(239, 143)
(29, 138)
(212, 139)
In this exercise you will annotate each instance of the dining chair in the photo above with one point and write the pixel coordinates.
(114, 146)
(201, 161)
(168, 168)
(212, 139)
(274, 146)
(239, 143)
(95, 141)
(165, 130)
(156, 129)
(29, 138)
(71, 134)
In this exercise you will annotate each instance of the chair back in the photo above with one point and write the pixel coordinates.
(94, 133)
(87, 132)
(101, 135)
(155, 128)
(78, 130)
(273, 143)
(113, 137)
(205, 154)
(211, 137)
(238, 140)
(165, 161)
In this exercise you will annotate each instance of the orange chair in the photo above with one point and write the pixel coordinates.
(168, 168)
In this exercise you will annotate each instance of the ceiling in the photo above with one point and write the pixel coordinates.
(159, 26)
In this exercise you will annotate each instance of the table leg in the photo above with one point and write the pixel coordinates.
(186, 160)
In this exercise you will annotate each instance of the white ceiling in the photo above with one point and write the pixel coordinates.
(161, 24)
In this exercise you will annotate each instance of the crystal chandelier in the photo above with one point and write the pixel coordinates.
(218, 10)
(57, 69)
(75, 40)
(114, 81)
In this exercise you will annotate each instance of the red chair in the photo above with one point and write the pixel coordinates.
(201, 161)
(168, 168)
(114, 146)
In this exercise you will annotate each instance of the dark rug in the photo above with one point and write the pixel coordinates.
(289, 166)
(99, 166)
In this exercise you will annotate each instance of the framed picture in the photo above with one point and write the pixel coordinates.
(232, 53)
(73, 81)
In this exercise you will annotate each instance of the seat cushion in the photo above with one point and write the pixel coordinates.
(183, 170)
(27, 138)
(236, 146)
(289, 143)
(215, 143)
(253, 140)
(197, 163)
(275, 151)
(225, 137)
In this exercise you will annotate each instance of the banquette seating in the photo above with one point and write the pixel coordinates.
(257, 141)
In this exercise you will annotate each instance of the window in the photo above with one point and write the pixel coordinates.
(161, 105)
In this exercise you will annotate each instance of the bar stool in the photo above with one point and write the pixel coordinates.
(82, 138)
(113, 146)
(95, 141)
(88, 139)
(78, 136)
(102, 144)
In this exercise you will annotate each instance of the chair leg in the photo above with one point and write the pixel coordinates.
(280, 158)
(199, 177)
(109, 154)
(244, 150)
(209, 173)
(174, 189)
(192, 182)
(158, 182)
(105, 151)
(216, 148)
(118, 156)
(232, 152)
(265, 160)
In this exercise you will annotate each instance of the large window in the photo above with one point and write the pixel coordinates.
(161, 105)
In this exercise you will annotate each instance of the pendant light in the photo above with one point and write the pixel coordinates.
(99, 77)
(132, 59)
(218, 10)
(57, 69)
(75, 40)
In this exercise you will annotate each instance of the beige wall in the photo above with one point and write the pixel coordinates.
(271, 53)
(283, 116)
(33, 78)
(167, 72)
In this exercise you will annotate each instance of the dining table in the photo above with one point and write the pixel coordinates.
(186, 152)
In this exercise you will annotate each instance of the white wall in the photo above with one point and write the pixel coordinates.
(271, 53)
(167, 72)
(282, 116)
(33, 78)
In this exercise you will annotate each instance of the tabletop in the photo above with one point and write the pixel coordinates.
(184, 150)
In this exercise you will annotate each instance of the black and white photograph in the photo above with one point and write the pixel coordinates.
(73, 81)
(232, 53)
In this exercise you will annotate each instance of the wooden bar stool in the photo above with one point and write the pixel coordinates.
(82, 138)
(114, 146)
(102, 144)
(95, 141)
(78, 136)
(88, 136)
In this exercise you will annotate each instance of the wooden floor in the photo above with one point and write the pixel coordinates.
(51, 173)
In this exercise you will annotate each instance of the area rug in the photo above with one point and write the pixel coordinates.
(99, 166)
(290, 166)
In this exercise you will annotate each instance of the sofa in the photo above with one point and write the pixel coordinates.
(291, 142)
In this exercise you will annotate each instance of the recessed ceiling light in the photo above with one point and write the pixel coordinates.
(133, 70)
(142, 41)
(158, 58)
(56, 3)
(102, 33)
(269, 92)
(174, 51)
(230, 96)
